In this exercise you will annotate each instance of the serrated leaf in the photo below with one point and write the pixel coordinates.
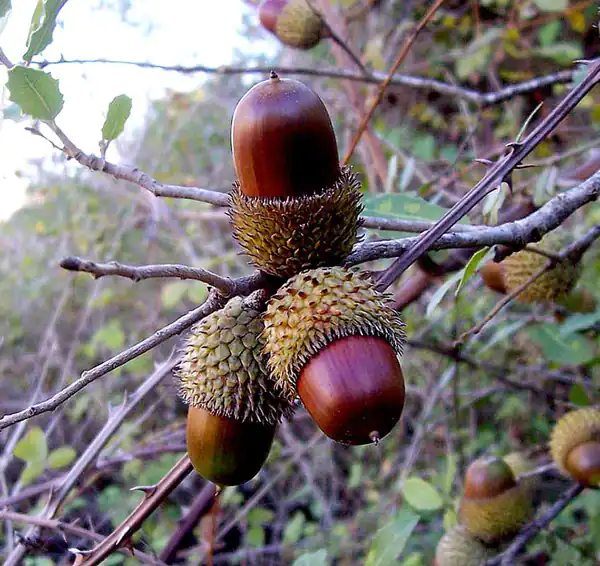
(573, 349)
(421, 495)
(118, 111)
(390, 540)
(36, 92)
(41, 36)
(552, 5)
(31, 471)
(578, 322)
(318, 558)
(471, 267)
(32, 447)
(61, 457)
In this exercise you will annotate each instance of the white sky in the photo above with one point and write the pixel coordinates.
(181, 32)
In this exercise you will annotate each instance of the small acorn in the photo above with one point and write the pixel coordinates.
(293, 22)
(494, 505)
(458, 548)
(492, 274)
(234, 410)
(575, 446)
(334, 340)
(293, 208)
(549, 287)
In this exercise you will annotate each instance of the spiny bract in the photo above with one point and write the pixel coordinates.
(316, 307)
(285, 236)
(458, 548)
(223, 369)
(570, 431)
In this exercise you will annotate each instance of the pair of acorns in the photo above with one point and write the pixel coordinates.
(327, 336)
(497, 502)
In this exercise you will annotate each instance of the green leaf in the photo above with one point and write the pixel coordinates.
(31, 471)
(255, 536)
(318, 558)
(197, 291)
(118, 111)
(172, 293)
(415, 559)
(548, 33)
(110, 335)
(574, 349)
(552, 5)
(578, 396)
(503, 332)
(564, 53)
(422, 495)
(260, 516)
(578, 322)
(390, 540)
(450, 519)
(450, 473)
(32, 447)
(61, 457)
(294, 529)
(41, 36)
(36, 92)
(471, 267)
(5, 7)
(437, 297)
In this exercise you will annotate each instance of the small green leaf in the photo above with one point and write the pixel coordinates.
(118, 111)
(110, 335)
(450, 519)
(578, 396)
(172, 293)
(31, 471)
(197, 291)
(318, 558)
(255, 536)
(503, 332)
(422, 495)
(564, 53)
(32, 447)
(61, 457)
(450, 473)
(36, 92)
(390, 540)
(260, 516)
(437, 297)
(548, 33)
(573, 349)
(552, 5)
(294, 529)
(578, 322)
(41, 36)
(471, 267)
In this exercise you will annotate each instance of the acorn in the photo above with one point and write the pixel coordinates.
(292, 208)
(549, 287)
(520, 465)
(494, 505)
(575, 446)
(234, 410)
(293, 22)
(492, 274)
(458, 548)
(334, 340)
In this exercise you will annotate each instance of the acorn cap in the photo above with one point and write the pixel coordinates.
(495, 511)
(550, 286)
(521, 464)
(316, 307)
(285, 236)
(572, 430)
(458, 548)
(223, 369)
(294, 22)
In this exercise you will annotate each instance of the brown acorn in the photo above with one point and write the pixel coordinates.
(234, 410)
(334, 340)
(494, 505)
(293, 22)
(293, 208)
(492, 274)
(575, 446)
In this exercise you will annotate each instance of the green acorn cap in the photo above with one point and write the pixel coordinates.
(285, 236)
(549, 287)
(316, 307)
(223, 370)
(458, 548)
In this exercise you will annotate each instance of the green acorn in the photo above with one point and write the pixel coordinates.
(575, 446)
(293, 208)
(334, 340)
(458, 548)
(234, 408)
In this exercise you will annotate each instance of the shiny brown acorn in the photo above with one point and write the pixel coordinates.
(334, 340)
(293, 22)
(293, 207)
(233, 410)
(575, 446)
(494, 504)
(492, 274)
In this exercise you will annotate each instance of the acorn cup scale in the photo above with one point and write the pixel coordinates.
(293, 207)
(458, 548)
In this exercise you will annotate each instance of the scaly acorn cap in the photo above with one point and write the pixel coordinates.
(285, 236)
(458, 548)
(223, 370)
(293, 22)
(575, 445)
(316, 307)
(494, 505)
(549, 287)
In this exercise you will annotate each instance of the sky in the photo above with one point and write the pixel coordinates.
(168, 33)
